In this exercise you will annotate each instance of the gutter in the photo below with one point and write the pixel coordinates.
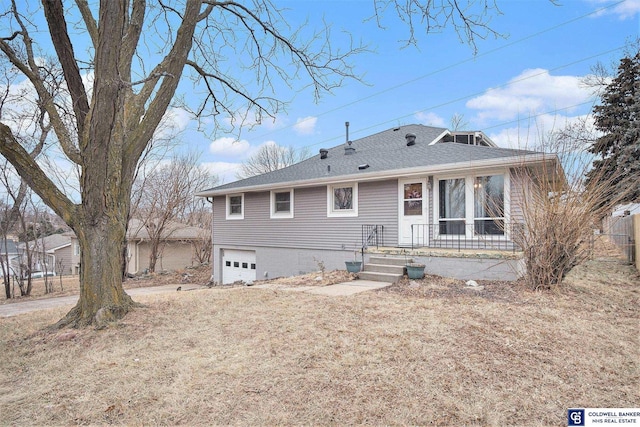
(395, 173)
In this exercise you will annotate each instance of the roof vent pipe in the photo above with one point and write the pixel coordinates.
(346, 125)
(348, 149)
(323, 153)
(411, 139)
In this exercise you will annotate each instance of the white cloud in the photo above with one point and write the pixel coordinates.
(430, 119)
(305, 125)
(533, 91)
(178, 117)
(225, 171)
(534, 133)
(625, 10)
(230, 147)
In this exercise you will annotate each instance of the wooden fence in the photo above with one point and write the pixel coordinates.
(625, 233)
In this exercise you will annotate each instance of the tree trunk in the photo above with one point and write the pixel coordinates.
(7, 288)
(102, 297)
(153, 254)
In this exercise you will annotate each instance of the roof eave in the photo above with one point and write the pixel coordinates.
(525, 159)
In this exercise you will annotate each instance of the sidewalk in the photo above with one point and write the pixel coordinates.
(13, 309)
(339, 289)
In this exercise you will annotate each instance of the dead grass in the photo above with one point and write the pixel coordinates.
(69, 285)
(432, 354)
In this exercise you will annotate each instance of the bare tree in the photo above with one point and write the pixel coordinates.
(271, 157)
(559, 209)
(199, 215)
(458, 122)
(165, 196)
(103, 131)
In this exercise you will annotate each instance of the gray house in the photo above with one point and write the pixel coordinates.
(53, 253)
(448, 199)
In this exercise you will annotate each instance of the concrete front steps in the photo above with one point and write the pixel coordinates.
(384, 269)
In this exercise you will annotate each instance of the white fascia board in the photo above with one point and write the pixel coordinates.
(513, 161)
(439, 137)
(59, 247)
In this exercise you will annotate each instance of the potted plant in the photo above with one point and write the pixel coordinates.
(415, 270)
(355, 265)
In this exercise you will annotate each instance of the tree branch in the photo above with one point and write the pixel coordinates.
(89, 20)
(172, 65)
(35, 177)
(54, 13)
(30, 70)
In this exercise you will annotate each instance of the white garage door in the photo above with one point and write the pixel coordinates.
(238, 265)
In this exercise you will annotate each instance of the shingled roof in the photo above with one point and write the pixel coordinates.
(380, 154)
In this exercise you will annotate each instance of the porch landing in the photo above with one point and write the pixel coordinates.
(465, 264)
(445, 253)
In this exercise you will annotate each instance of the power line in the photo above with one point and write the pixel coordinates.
(449, 67)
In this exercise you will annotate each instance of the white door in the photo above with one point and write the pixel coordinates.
(412, 210)
(238, 265)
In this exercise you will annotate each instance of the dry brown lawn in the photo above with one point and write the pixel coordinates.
(427, 353)
(69, 285)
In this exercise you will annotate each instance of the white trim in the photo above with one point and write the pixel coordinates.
(421, 219)
(439, 137)
(229, 215)
(470, 201)
(353, 212)
(272, 208)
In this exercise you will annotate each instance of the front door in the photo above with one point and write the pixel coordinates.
(412, 210)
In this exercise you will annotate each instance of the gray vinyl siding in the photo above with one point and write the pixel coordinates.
(516, 194)
(310, 227)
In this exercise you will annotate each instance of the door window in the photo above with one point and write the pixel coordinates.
(413, 199)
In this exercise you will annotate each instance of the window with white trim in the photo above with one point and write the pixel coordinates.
(235, 206)
(452, 206)
(472, 205)
(342, 200)
(489, 205)
(282, 204)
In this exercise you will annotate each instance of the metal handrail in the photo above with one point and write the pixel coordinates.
(495, 235)
(372, 233)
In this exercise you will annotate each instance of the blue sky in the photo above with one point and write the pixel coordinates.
(513, 88)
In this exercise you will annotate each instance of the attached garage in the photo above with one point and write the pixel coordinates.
(238, 265)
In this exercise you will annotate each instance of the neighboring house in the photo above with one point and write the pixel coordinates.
(9, 257)
(177, 249)
(54, 253)
(414, 188)
(626, 210)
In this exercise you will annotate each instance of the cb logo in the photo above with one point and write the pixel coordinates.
(575, 417)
